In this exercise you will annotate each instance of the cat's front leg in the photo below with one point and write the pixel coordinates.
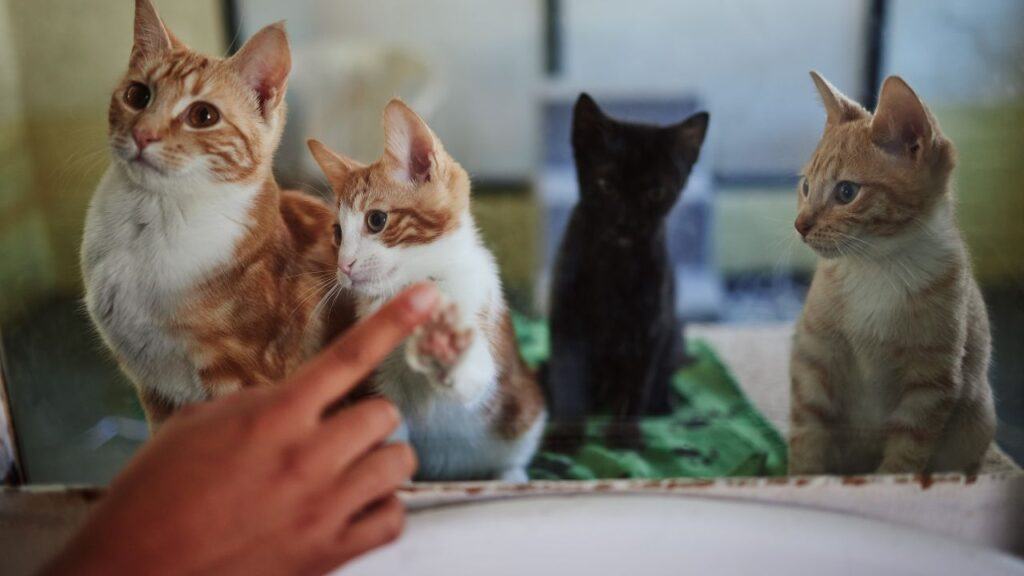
(813, 414)
(454, 358)
(516, 475)
(928, 391)
(156, 407)
(476, 374)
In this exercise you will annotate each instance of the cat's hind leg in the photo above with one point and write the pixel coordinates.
(156, 407)
(814, 381)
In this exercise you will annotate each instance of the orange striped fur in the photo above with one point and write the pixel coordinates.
(890, 357)
(201, 275)
(483, 418)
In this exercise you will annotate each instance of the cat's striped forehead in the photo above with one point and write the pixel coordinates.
(232, 150)
(417, 214)
(842, 150)
(185, 71)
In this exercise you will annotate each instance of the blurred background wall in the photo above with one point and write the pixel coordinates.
(58, 64)
(479, 72)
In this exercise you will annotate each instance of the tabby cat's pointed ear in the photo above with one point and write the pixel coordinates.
(902, 124)
(410, 148)
(838, 106)
(263, 63)
(333, 164)
(151, 37)
(689, 135)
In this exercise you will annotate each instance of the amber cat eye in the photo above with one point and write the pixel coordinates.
(337, 234)
(202, 115)
(375, 220)
(137, 95)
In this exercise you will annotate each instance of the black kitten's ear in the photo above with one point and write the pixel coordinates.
(586, 115)
(689, 135)
(587, 109)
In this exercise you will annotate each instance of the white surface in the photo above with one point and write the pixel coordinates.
(653, 535)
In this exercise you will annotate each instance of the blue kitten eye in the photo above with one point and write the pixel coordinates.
(846, 192)
(806, 187)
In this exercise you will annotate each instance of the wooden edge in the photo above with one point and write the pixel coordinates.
(983, 510)
(11, 471)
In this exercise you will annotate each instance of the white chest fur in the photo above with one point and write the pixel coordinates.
(142, 252)
(454, 433)
(883, 307)
(883, 291)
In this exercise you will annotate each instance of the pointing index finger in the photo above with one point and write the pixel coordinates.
(346, 361)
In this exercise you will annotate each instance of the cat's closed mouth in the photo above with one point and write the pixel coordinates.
(141, 160)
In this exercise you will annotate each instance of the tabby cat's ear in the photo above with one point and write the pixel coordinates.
(838, 106)
(334, 165)
(689, 135)
(902, 124)
(263, 63)
(151, 38)
(411, 150)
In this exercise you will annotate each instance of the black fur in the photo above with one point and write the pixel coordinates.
(615, 338)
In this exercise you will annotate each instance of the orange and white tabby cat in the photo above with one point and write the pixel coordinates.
(200, 274)
(890, 358)
(472, 408)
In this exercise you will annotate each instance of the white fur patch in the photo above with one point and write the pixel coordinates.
(879, 287)
(454, 433)
(142, 253)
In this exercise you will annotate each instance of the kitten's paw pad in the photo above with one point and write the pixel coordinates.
(438, 346)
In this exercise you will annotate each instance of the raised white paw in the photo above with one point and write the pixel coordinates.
(437, 347)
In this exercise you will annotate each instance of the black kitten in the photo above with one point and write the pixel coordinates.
(615, 338)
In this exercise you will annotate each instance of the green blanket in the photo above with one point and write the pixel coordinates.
(714, 430)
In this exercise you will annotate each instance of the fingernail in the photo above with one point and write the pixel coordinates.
(423, 298)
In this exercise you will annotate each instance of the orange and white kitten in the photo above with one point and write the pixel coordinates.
(472, 408)
(890, 358)
(200, 274)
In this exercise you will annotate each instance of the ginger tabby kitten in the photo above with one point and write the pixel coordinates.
(472, 408)
(201, 275)
(890, 358)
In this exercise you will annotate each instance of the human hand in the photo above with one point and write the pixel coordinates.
(265, 481)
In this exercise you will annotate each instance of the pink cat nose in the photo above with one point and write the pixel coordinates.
(347, 268)
(804, 224)
(144, 137)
